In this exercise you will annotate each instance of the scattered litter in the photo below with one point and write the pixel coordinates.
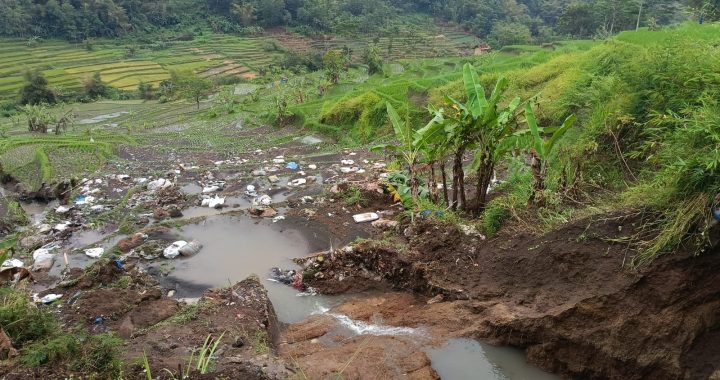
(251, 191)
(346, 169)
(259, 173)
(307, 199)
(278, 218)
(122, 177)
(292, 166)
(84, 199)
(159, 184)
(312, 166)
(119, 264)
(367, 217)
(62, 226)
(273, 179)
(215, 202)
(279, 160)
(210, 189)
(297, 182)
(95, 252)
(360, 171)
(12, 263)
(348, 162)
(352, 154)
(471, 230)
(173, 250)
(264, 200)
(62, 209)
(49, 298)
(428, 213)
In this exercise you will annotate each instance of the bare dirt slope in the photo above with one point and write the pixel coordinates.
(564, 296)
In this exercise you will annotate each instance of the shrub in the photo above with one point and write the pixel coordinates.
(22, 320)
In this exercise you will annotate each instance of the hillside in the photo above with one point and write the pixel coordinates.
(338, 204)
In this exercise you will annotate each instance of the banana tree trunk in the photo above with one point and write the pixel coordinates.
(444, 181)
(458, 180)
(413, 182)
(536, 166)
(432, 183)
(485, 173)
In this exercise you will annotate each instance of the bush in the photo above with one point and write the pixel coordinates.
(53, 350)
(101, 355)
(94, 86)
(22, 320)
(35, 90)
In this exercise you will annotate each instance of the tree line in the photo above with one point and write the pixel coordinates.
(509, 21)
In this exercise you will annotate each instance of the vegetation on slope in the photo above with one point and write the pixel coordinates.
(646, 135)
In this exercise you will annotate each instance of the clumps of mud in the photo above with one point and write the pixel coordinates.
(567, 297)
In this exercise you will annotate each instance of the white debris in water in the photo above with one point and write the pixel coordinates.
(264, 200)
(210, 189)
(278, 218)
(213, 202)
(297, 182)
(95, 252)
(364, 328)
(173, 250)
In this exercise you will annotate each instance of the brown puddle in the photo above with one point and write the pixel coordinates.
(237, 246)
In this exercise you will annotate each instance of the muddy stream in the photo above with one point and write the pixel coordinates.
(236, 246)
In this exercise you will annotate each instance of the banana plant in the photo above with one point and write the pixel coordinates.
(533, 142)
(410, 148)
(478, 125)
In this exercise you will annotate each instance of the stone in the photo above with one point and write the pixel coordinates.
(190, 249)
(385, 224)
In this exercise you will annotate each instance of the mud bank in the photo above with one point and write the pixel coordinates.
(565, 297)
(130, 303)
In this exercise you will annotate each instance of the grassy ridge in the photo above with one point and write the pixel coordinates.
(647, 104)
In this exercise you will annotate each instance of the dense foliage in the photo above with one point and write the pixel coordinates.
(503, 21)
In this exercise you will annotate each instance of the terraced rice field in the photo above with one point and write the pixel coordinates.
(66, 65)
(441, 42)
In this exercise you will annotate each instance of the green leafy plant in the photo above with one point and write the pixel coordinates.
(205, 357)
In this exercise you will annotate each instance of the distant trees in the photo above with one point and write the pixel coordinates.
(334, 63)
(95, 87)
(36, 90)
(372, 59)
(510, 33)
(146, 90)
(190, 86)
